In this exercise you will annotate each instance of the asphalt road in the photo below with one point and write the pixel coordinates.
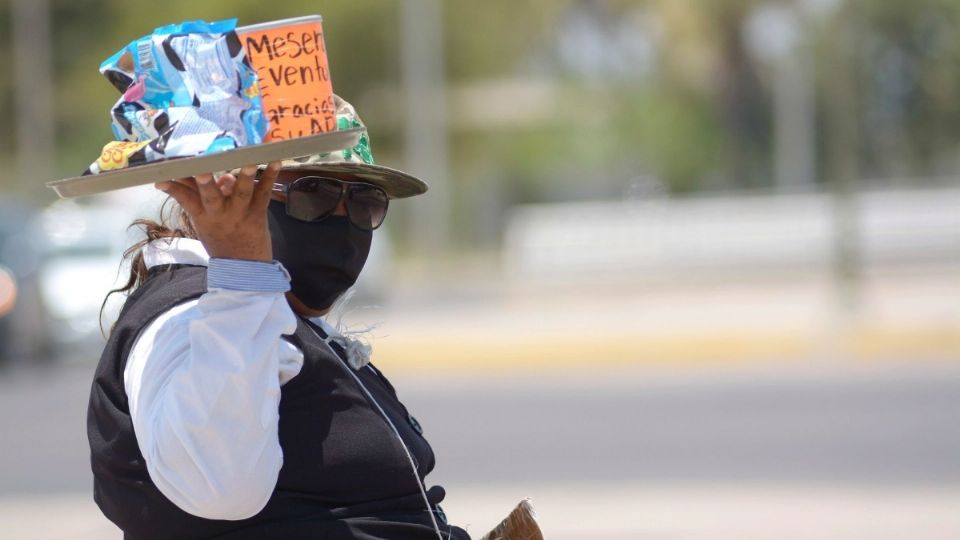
(890, 425)
(864, 425)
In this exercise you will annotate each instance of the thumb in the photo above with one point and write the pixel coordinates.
(187, 198)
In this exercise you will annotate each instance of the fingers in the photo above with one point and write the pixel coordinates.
(223, 213)
(210, 195)
(189, 183)
(227, 184)
(186, 197)
(245, 184)
(261, 195)
(203, 193)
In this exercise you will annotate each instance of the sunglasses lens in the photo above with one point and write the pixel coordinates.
(367, 206)
(312, 198)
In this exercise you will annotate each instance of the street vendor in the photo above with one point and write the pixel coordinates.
(224, 405)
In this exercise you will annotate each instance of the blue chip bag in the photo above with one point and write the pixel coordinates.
(188, 90)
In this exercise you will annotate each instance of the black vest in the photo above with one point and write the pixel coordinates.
(344, 475)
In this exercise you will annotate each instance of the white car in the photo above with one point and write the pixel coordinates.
(82, 264)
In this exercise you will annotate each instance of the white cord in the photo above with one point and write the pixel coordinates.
(413, 465)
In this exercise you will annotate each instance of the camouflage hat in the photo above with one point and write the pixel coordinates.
(357, 163)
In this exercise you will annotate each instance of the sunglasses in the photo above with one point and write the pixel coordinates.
(313, 198)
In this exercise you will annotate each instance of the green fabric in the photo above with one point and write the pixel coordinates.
(347, 118)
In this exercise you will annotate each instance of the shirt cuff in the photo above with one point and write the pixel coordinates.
(246, 275)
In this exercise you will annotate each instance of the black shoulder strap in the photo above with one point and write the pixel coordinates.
(165, 287)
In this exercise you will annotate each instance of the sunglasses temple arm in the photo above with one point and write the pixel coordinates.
(277, 187)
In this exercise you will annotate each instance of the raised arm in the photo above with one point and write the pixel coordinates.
(203, 380)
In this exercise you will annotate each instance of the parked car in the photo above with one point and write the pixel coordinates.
(23, 333)
(8, 299)
(83, 247)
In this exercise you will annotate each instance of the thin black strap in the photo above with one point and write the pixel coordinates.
(341, 352)
(316, 328)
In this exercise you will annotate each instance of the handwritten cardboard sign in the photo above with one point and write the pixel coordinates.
(291, 63)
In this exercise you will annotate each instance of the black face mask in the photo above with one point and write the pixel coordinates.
(324, 258)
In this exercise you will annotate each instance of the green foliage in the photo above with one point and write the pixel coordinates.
(677, 131)
(907, 74)
(698, 115)
(6, 92)
(492, 39)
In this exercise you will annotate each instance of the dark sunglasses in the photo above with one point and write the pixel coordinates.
(313, 198)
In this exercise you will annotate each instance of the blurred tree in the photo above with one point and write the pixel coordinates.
(6, 95)
(710, 60)
(907, 76)
(610, 90)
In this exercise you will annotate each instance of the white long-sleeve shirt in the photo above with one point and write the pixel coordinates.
(203, 385)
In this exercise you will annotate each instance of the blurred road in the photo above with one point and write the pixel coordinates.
(891, 425)
(872, 450)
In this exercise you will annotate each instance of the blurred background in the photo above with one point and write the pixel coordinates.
(687, 269)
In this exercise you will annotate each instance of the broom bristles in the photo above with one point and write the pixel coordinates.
(521, 524)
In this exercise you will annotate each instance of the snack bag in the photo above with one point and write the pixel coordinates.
(188, 90)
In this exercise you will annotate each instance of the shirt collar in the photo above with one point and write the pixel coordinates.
(175, 251)
(327, 327)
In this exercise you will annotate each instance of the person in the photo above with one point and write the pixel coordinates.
(224, 406)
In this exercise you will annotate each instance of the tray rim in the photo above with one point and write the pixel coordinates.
(166, 169)
(280, 22)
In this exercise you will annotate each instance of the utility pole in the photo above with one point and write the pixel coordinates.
(775, 34)
(425, 128)
(33, 95)
(793, 109)
(841, 159)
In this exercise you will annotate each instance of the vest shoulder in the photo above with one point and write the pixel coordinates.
(164, 288)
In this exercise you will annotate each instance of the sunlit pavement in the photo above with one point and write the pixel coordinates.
(735, 512)
(616, 512)
(818, 449)
(473, 325)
